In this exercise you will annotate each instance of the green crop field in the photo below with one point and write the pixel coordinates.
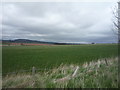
(15, 58)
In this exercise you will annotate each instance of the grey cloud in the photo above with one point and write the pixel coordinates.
(60, 22)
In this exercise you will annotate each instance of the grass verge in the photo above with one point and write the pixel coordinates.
(95, 74)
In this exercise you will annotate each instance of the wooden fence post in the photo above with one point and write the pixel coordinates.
(106, 62)
(33, 70)
(75, 71)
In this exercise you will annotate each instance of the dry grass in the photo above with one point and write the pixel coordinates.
(100, 74)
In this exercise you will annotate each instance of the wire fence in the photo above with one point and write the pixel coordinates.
(33, 70)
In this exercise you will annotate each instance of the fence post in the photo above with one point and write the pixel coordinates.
(33, 70)
(75, 71)
(106, 62)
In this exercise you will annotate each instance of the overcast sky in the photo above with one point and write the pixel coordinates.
(83, 22)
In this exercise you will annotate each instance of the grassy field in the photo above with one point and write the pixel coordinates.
(95, 74)
(15, 58)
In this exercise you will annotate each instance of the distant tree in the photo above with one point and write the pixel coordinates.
(92, 43)
(116, 21)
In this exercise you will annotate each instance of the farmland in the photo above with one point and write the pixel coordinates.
(15, 58)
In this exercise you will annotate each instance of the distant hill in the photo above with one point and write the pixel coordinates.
(36, 42)
(26, 41)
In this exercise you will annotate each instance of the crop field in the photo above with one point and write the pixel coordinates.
(15, 58)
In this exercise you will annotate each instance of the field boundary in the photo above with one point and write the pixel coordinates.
(96, 74)
(34, 70)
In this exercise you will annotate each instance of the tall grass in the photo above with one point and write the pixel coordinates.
(93, 74)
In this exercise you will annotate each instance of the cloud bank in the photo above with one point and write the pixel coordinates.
(83, 22)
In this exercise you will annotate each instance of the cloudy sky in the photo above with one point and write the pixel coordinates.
(83, 22)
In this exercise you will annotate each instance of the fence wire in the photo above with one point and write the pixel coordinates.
(27, 71)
